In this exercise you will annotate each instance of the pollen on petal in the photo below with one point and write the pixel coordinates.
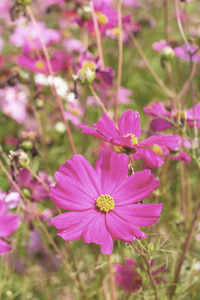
(105, 203)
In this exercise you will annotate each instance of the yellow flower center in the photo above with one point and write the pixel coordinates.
(89, 64)
(157, 149)
(39, 65)
(102, 19)
(116, 31)
(133, 138)
(180, 114)
(105, 203)
(75, 111)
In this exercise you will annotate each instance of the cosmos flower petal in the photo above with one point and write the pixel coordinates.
(80, 169)
(159, 124)
(152, 159)
(135, 188)
(24, 177)
(70, 225)
(95, 133)
(97, 232)
(112, 169)
(8, 224)
(39, 193)
(193, 112)
(105, 128)
(4, 247)
(70, 194)
(2, 208)
(120, 229)
(170, 141)
(130, 123)
(140, 214)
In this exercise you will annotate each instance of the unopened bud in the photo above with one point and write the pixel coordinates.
(167, 53)
(39, 103)
(19, 158)
(26, 192)
(27, 145)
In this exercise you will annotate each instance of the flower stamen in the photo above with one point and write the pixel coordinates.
(133, 138)
(105, 203)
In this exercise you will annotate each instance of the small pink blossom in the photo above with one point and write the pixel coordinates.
(102, 202)
(32, 186)
(130, 279)
(159, 112)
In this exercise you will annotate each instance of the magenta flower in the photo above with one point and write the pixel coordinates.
(59, 61)
(159, 153)
(31, 187)
(8, 224)
(130, 279)
(127, 277)
(102, 201)
(159, 112)
(128, 134)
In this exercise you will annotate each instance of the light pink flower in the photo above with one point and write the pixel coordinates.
(102, 202)
(26, 36)
(13, 102)
(8, 224)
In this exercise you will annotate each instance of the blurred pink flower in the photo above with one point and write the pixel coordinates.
(26, 36)
(11, 199)
(74, 113)
(102, 201)
(13, 102)
(157, 110)
(161, 154)
(32, 187)
(8, 224)
(59, 61)
(130, 279)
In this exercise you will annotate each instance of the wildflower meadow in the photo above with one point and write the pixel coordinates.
(99, 149)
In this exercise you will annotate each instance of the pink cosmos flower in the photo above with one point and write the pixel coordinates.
(128, 134)
(26, 36)
(74, 113)
(31, 187)
(11, 199)
(184, 52)
(13, 102)
(157, 110)
(102, 202)
(161, 153)
(8, 224)
(59, 61)
(39, 254)
(130, 279)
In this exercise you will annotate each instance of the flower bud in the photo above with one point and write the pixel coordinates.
(167, 53)
(87, 73)
(19, 158)
(27, 145)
